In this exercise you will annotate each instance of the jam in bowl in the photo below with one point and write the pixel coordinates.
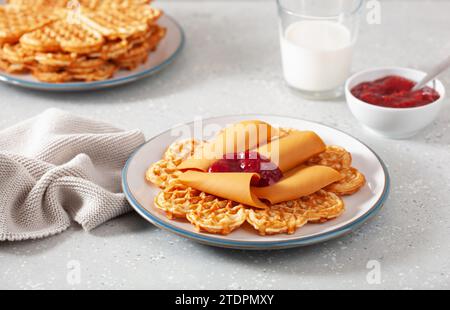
(394, 91)
(382, 101)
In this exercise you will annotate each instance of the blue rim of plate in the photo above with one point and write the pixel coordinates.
(99, 84)
(263, 245)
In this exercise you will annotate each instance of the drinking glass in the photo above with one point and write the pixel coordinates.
(317, 39)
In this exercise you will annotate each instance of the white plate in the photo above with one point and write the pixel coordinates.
(166, 52)
(359, 207)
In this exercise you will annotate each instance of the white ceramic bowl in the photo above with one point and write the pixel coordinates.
(396, 123)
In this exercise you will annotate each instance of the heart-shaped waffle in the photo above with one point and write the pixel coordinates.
(63, 36)
(216, 215)
(338, 158)
(288, 216)
(181, 150)
(116, 24)
(335, 157)
(165, 170)
(162, 173)
(176, 200)
(277, 219)
(17, 54)
(14, 23)
(321, 206)
(352, 181)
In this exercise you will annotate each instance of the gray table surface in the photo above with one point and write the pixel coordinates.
(230, 65)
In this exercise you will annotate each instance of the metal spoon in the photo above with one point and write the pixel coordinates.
(434, 72)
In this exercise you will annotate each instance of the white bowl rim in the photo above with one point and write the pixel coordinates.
(357, 74)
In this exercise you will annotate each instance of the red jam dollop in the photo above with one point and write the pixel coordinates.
(394, 92)
(249, 162)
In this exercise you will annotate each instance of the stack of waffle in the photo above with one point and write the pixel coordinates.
(67, 40)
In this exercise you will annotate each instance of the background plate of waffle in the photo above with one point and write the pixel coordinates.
(68, 45)
(359, 207)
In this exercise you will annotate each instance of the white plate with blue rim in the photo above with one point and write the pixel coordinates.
(360, 207)
(168, 49)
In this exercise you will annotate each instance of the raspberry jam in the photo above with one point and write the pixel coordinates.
(394, 92)
(249, 162)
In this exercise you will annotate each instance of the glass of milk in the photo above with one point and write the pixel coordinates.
(317, 40)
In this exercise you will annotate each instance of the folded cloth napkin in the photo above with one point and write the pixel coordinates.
(55, 168)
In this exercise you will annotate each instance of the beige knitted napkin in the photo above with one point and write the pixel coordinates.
(57, 167)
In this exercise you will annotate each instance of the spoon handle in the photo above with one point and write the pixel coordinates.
(433, 73)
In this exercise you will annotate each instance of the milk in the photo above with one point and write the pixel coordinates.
(316, 55)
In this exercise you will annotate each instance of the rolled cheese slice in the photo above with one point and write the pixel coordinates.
(198, 164)
(298, 183)
(240, 137)
(293, 150)
(236, 186)
(230, 185)
(244, 136)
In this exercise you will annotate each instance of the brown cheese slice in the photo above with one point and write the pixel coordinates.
(229, 185)
(237, 138)
(293, 150)
(298, 183)
(196, 164)
(243, 136)
(236, 186)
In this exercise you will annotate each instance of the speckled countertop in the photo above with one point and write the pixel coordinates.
(231, 64)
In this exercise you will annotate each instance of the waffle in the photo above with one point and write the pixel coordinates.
(14, 23)
(83, 65)
(67, 40)
(62, 36)
(138, 39)
(112, 50)
(165, 170)
(101, 73)
(12, 68)
(277, 219)
(112, 4)
(287, 217)
(37, 67)
(322, 206)
(158, 34)
(352, 181)
(114, 24)
(52, 77)
(56, 59)
(27, 4)
(17, 54)
(177, 199)
(338, 158)
(216, 215)
(334, 156)
(134, 57)
(180, 150)
(139, 53)
(91, 4)
(206, 212)
(162, 173)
